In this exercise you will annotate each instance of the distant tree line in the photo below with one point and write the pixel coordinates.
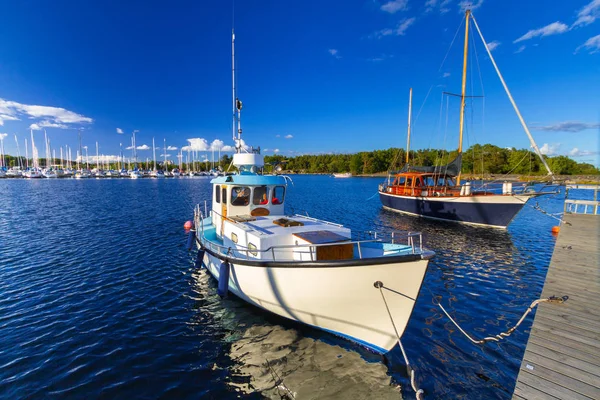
(478, 160)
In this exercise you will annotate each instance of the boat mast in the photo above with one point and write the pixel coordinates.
(512, 101)
(237, 104)
(462, 93)
(154, 154)
(409, 114)
(97, 159)
(165, 155)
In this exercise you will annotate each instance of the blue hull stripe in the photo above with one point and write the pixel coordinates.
(499, 214)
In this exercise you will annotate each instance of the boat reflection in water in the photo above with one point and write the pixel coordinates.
(271, 355)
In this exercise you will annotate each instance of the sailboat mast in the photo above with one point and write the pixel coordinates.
(462, 93)
(154, 154)
(233, 125)
(409, 115)
(512, 101)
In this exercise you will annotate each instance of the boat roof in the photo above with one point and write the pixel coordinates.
(250, 180)
(413, 173)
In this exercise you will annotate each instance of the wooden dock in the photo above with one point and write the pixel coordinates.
(562, 358)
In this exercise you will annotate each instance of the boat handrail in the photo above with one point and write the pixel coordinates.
(572, 206)
(318, 220)
(412, 239)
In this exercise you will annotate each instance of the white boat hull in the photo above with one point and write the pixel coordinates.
(340, 300)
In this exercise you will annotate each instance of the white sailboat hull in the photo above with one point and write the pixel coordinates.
(340, 300)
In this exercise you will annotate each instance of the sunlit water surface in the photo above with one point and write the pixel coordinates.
(100, 298)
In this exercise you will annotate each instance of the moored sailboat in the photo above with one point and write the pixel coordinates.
(437, 192)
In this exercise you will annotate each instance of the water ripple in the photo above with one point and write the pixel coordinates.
(100, 299)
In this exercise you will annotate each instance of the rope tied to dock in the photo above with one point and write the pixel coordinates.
(503, 335)
(411, 372)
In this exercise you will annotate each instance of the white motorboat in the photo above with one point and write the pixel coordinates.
(135, 174)
(50, 173)
(3, 173)
(14, 172)
(83, 174)
(343, 175)
(176, 173)
(308, 270)
(32, 173)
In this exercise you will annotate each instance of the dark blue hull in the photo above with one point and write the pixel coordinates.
(496, 214)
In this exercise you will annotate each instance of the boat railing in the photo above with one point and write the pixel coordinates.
(590, 207)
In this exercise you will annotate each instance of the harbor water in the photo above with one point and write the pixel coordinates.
(100, 298)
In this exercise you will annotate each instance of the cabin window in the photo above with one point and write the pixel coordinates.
(218, 194)
(234, 237)
(224, 194)
(429, 181)
(409, 182)
(418, 182)
(252, 249)
(260, 196)
(240, 196)
(278, 195)
(400, 180)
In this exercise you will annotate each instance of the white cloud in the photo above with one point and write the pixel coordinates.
(550, 149)
(588, 14)
(446, 74)
(335, 53)
(165, 155)
(276, 151)
(3, 135)
(171, 148)
(289, 136)
(35, 127)
(52, 117)
(143, 147)
(465, 5)
(394, 6)
(567, 126)
(129, 148)
(197, 144)
(431, 5)
(119, 131)
(493, 45)
(592, 44)
(50, 124)
(216, 144)
(228, 149)
(5, 117)
(520, 49)
(399, 30)
(554, 28)
(581, 153)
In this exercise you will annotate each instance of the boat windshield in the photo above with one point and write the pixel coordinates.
(240, 196)
(260, 196)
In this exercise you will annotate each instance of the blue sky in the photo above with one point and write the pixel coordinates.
(314, 76)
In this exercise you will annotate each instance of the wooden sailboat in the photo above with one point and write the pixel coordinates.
(437, 192)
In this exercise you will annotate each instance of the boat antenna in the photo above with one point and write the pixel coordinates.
(409, 114)
(512, 101)
(462, 93)
(237, 103)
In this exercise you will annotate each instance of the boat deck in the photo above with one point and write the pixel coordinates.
(562, 358)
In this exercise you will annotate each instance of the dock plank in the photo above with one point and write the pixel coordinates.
(562, 358)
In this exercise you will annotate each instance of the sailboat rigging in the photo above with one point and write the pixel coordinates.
(436, 192)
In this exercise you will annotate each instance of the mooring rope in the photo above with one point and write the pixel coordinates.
(503, 335)
(279, 383)
(411, 372)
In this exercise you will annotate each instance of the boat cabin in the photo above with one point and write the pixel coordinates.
(422, 184)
